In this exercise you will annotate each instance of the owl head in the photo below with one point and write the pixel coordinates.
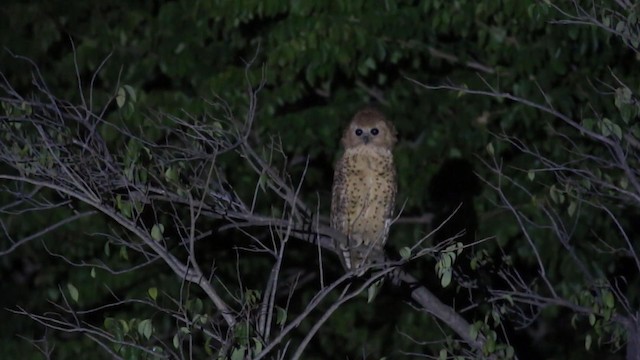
(369, 127)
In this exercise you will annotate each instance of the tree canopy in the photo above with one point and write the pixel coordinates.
(166, 168)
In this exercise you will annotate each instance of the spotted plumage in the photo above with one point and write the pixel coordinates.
(364, 188)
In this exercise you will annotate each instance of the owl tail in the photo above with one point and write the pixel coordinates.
(360, 255)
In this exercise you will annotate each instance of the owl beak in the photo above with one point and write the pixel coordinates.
(366, 138)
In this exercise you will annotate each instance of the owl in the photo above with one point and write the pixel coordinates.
(364, 189)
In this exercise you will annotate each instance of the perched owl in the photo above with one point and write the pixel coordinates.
(364, 188)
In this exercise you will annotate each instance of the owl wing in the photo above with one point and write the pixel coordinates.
(339, 210)
(390, 204)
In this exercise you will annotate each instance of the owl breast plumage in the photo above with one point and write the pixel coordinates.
(364, 189)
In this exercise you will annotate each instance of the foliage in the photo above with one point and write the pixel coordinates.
(169, 79)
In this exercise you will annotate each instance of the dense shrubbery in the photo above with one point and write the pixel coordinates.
(154, 132)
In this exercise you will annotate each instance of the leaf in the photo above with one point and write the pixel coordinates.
(572, 208)
(448, 259)
(442, 355)
(110, 324)
(281, 316)
(120, 97)
(156, 232)
(587, 342)
(196, 305)
(238, 353)
(617, 131)
(592, 319)
(73, 291)
(473, 331)
(262, 182)
(93, 273)
(128, 110)
(202, 319)
(145, 328)
(608, 127)
(373, 291)
(252, 296)
(124, 326)
(123, 253)
(405, 253)
(490, 149)
(608, 300)
(153, 293)
(257, 347)
(553, 193)
(510, 352)
(490, 345)
(124, 207)
(131, 92)
(445, 280)
(171, 174)
(176, 341)
(458, 247)
(531, 175)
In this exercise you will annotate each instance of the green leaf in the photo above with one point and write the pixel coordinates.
(124, 207)
(617, 131)
(123, 253)
(156, 232)
(509, 299)
(608, 127)
(587, 342)
(445, 280)
(490, 345)
(124, 326)
(490, 149)
(145, 328)
(510, 352)
(592, 319)
(405, 253)
(131, 92)
(442, 355)
(120, 97)
(531, 175)
(373, 291)
(176, 341)
(257, 347)
(281, 316)
(474, 330)
(73, 292)
(93, 273)
(238, 353)
(110, 324)
(608, 299)
(553, 193)
(262, 182)
(196, 305)
(572, 208)
(153, 293)
(171, 174)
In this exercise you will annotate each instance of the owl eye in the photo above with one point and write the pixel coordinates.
(375, 131)
(358, 132)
